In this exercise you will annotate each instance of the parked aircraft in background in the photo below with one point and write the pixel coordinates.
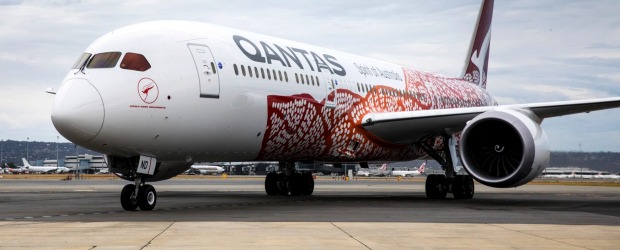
(62, 170)
(409, 173)
(206, 169)
(156, 97)
(18, 170)
(601, 175)
(382, 171)
(38, 169)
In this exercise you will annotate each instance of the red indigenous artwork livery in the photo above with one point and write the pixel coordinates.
(299, 126)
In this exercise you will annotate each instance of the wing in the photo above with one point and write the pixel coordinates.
(411, 126)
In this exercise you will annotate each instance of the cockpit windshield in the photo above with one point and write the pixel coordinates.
(133, 61)
(81, 61)
(104, 60)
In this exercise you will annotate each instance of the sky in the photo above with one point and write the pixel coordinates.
(541, 50)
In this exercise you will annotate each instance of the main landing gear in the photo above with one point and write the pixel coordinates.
(139, 195)
(289, 181)
(439, 185)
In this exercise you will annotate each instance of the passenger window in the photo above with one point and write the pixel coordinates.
(81, 61)
(296, 78)
(285, 76)
(280, 75)
(256, 72)
(250, 70)
(262, 72)
(274, 75)
(236, 70)
(104, 60)
(268, 74)
(317, 81)
(242, 70)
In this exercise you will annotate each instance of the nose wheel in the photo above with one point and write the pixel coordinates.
(144, 197)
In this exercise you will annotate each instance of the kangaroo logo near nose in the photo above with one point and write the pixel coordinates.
(148, 90)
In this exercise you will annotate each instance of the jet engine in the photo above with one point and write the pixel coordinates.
(123, 167)
(504, 148)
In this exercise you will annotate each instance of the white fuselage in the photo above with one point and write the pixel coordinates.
(206, 169)
(199, 102)
(37, 169)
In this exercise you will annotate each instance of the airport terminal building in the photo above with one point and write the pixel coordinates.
(86, 163)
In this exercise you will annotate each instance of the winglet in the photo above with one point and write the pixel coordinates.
(477, 59)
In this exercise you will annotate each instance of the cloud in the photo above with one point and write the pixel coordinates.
(11, 2)
(540, 50)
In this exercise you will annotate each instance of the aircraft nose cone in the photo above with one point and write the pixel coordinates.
(78, 110)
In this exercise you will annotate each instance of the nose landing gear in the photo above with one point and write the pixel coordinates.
(139, 195)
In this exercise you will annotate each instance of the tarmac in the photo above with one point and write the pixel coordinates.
(235, 213)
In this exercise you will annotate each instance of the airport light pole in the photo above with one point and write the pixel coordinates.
(57, 138)
(27, 148)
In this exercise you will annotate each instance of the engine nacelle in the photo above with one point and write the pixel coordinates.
(504, 148)
(123, 167)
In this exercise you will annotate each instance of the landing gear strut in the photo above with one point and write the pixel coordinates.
(289, 181)
(139, 195)
(437, 186)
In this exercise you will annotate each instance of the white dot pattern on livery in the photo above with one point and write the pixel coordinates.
(302, 128)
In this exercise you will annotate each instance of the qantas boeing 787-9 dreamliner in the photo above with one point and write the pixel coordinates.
(156, 97)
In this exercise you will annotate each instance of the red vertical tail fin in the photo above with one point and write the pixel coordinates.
(477, 60)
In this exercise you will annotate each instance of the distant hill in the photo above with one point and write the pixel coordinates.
(13, 151)
(602, 161)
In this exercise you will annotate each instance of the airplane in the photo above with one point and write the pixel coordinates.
(62, 170)
(602, 175)
(408, 173)
(207, 169)
(18, 170)
(38, 169)
(156, 97)
(379, 172)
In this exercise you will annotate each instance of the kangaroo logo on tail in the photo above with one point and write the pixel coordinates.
(477, 60)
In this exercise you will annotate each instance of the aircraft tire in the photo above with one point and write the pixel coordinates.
(126, 202)
(271, 183)
(308, 184)
(147, 198)
(463, 187)
(436, 186)
(296, 184)
(283, 184)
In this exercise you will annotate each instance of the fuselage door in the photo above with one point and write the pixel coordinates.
(330, 91)
(207, 71)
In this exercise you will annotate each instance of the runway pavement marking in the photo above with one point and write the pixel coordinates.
(261, 203)
(534, 235)
(159, 234)
(162, 209)
(352, 237)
